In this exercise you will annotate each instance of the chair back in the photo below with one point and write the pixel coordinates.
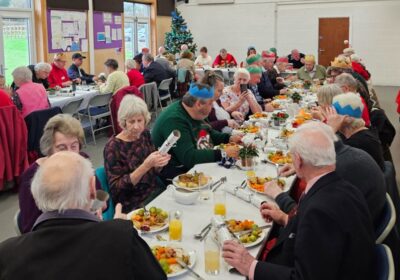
(391, 188)
(164, 85)
(99, 100)
(387, 220)
(72, 107)
(219, 72)
(35, 123)
(150, 93)
(384, 267)
(102, 177)
(17, 226)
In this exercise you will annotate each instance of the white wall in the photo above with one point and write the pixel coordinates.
(374, 29)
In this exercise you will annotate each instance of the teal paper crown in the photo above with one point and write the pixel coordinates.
(201, 91)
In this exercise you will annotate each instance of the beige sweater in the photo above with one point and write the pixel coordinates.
(115, 81)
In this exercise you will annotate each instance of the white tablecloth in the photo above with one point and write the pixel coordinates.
(196, 216)
(60, 101)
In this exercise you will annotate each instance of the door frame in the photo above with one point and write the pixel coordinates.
(337, 16)
(24, 14)
(135, 21)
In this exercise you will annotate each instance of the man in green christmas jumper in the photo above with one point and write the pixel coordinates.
(197, 136)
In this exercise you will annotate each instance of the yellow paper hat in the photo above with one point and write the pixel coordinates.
(309, 58)
(341, 62)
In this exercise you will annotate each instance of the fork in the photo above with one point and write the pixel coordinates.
(222, 181)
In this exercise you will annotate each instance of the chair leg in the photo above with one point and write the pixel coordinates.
(159, 100)
(84, 134)
(91, 128)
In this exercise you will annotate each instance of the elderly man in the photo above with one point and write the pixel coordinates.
(255, 77)
(353, 165)
(224, 60)
(40, 73)
(348, 84)
(161, 51)
(153, 70)
(58, 76)
(269, 86)
(311, 71)
(197, 136)
(330, 234)
(296, 58)
(70, 242)
(75, 72)
(280, 65)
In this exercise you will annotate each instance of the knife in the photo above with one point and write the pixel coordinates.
(239, 233)
(184, 265)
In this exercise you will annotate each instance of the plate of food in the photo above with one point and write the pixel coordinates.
(276, 105)
(169, 254)
(154, 221)
(279, 157)
(249, 239)
(246, 129)
(280, 97)
(259, 116)
(192, 181)
(286, 133)
(256, 184)
(227, 145)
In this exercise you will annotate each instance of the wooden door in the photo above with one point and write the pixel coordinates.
(332, 33)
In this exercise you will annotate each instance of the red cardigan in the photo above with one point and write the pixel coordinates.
(135, 78)
(57, 76)
(5, 100)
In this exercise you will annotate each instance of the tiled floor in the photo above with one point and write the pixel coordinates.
(9, 201)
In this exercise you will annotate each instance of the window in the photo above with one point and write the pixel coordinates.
(24, 4)
(16, 36)
(136, 27)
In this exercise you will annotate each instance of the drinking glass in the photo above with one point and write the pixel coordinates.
(220, 203)
(211, 256)
(175, 225)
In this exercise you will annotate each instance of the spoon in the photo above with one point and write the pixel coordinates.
(200, 235)
(277, 171)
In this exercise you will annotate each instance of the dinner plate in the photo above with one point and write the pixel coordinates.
(176, 184)
(152, 230)
(258, 240)
(257, 191)
(191, 253)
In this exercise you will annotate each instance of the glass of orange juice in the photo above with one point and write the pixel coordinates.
(175, 226)
(220, 203)
(211, 256)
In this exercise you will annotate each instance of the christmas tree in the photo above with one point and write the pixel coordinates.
(179, 35)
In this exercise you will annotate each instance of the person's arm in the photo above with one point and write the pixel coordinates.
(253, 104)
(234, 61)
(86, 77)
(108, 86)
(217, 61)
(148, 76)
(285, 202)
(266, 89)
(73, 72)
(185, 150)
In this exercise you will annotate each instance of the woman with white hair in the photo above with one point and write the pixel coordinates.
(234, 98)
(29, 96)
(345, 117)
(40, 73)
(132, 71)
(131, 161)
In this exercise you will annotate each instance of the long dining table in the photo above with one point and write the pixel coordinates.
(195, 217)
(82, 92)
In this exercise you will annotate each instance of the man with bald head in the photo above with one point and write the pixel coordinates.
(67, 240)
(328, 236)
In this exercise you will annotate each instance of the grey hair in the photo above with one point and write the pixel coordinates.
(132, 106)
(148, 57)
(242, 71)
(130, 64)
(58, 192)
(314, 145)
(42, 66)
(64, 124)
(346, 79)
(326, 93)
(22, 74)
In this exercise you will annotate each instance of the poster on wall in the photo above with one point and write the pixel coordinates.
(66, 31)
(107, 30)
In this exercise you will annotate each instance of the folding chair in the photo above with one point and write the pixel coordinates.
(72, 107)
(164, 86)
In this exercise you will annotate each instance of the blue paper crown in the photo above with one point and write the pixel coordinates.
(203, 93)
(347, 110)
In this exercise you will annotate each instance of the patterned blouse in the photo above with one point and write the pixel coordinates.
(120, 160)
(230, 97)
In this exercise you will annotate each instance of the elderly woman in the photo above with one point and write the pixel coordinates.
(346, 119)
(29, 96)
(219, 118)
(115, 79)
(132, 71)
(61, 133)
(234, 99)
(40, 73)
(203, 60)
(130, 158)
(185, 62)
(325, 95)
